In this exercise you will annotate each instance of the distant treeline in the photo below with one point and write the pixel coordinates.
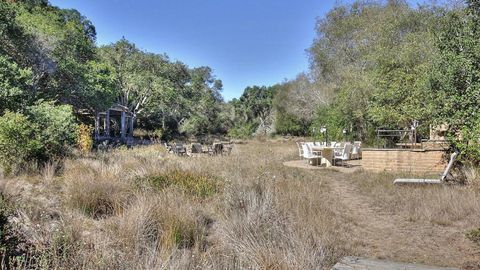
(373, 64)
(381, 64)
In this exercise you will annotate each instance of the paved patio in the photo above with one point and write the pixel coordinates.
(354, 165)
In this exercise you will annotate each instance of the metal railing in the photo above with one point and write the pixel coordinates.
(396, 138)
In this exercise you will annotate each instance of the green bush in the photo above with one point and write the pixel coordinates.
(243, 131)
(19, 142)
(45, 133)
(58, 130)
(334, 121)
(289, 124)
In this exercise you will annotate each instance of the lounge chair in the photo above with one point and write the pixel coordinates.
(179, 149)
(197, 148)
(442, 179)
(227, 149)
(215, 149)
(343, 154)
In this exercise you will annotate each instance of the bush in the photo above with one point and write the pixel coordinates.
(19, 142)
(84, 138)
(45, 133)
(57, 129)
(331, 118)
(289, 124)
(244, 131)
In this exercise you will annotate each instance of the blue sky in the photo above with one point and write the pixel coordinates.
(246, 42)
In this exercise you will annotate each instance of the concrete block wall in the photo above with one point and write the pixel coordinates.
(403, 160)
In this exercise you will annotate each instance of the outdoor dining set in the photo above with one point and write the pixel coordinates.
(329, 154)
(196, 149)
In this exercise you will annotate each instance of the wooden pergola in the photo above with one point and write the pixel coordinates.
(118, 113)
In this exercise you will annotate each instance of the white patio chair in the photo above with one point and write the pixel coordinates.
(356, 150)
(343, 155)
(310, 144)
(300, 149)
(309, 155)
(332, 144)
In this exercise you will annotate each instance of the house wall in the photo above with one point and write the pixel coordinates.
(404, 160)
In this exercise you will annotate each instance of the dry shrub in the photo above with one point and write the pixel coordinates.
(153, 227)
(84, 138)
(98, 193)
(262, 233)
(472, 177)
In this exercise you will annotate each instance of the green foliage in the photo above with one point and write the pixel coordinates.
(19, 142)
(250, 111)
(57, 129)
(333, 120)
(47, 132)
(456, 81)
(286, 123)
(244, 131)
(191, 183)
(474, 235)
(14, 80)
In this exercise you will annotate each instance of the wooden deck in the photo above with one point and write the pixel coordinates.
(354, 263)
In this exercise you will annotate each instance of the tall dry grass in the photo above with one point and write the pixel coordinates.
(146, 209)
(440, 205)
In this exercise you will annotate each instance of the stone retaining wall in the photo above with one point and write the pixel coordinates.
(404, 160)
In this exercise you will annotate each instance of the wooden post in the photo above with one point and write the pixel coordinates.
(131, 120)
(122, 126)
(97, 126)
(107, 123)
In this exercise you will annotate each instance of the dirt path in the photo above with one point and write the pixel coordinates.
(392, 236)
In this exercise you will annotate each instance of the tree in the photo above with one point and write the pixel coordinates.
(456, 78)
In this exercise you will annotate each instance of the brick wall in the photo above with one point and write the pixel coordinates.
(397, 160)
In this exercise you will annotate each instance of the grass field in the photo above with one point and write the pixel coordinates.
(147, 209)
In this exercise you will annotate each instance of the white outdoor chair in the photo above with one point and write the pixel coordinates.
(300, 149)
(309, 155)
(310, 144)
(343, 155)
(356, 150)
(332, 144)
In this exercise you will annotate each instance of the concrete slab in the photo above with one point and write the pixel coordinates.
(355, 263)
(354, 165)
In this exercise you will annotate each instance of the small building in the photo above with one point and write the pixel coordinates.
(118, 115)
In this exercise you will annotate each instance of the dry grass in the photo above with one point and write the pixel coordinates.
(146, 209)
(440, 205)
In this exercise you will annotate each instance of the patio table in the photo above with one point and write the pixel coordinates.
(327, 154)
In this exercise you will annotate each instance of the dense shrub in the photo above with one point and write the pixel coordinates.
(289, 124)
(45, 133)
(333, 120)
(244, 131)
(84, 138)
(57, 129)
(19, 141)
